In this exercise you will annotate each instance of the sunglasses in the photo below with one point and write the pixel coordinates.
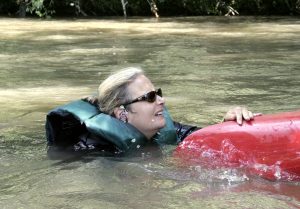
(149, 97)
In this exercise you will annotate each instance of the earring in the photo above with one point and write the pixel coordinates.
(123, 115)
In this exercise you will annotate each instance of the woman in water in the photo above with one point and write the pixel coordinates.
(132, 114)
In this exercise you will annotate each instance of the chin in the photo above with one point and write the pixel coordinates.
(162, 123)
(159, 122)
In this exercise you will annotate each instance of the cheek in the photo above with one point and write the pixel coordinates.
(143, 112)
(144, 116)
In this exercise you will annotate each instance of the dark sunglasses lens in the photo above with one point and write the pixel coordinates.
(159, 92)
(151, 96)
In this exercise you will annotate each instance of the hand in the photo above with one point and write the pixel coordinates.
(239, 114)
(91, 99)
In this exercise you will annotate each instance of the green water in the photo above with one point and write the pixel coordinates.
(204, 66)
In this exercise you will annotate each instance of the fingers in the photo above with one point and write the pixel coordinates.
(239, 114)
(91, 99)
(248, 115)
(257, 114)
(251, 115)
(230, 115)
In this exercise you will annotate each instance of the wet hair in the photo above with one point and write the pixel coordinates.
(113, 91)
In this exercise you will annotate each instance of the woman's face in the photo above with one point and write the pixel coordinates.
(145, 116)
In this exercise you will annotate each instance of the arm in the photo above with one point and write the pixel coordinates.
(237, 114)
(183, 130)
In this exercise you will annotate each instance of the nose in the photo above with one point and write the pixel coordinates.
(160, 100)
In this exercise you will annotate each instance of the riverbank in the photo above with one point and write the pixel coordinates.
(148, 8)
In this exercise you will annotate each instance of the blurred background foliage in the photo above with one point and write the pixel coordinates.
(77, 8)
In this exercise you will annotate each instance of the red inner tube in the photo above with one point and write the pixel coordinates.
(268, 146)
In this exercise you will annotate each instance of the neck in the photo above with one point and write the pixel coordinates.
(149, 135)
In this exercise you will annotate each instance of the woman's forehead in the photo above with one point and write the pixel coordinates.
(140, 85)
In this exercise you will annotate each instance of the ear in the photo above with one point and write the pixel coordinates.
(117, 112)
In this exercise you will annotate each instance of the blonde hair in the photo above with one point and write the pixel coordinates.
(112, 92)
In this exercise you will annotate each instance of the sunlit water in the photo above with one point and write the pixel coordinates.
(204, 66)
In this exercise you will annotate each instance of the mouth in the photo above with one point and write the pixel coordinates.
(160, 113)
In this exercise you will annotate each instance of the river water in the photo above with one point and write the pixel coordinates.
(204, 66)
